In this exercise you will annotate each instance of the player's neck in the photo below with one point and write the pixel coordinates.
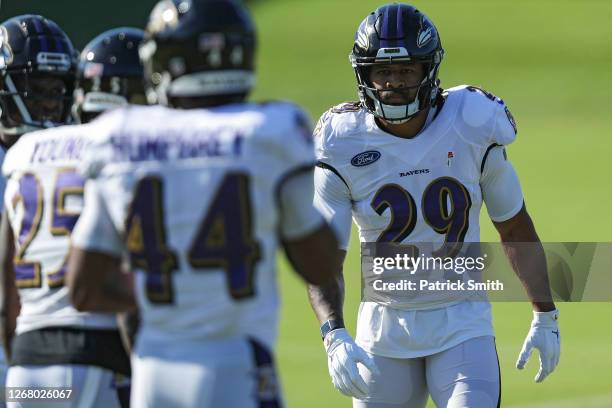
(406, 130)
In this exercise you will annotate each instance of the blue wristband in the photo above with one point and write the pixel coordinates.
(329, 326)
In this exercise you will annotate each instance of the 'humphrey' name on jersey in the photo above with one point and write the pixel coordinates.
(137, 147)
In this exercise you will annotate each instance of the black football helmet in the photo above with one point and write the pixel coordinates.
(109, 74)
(397, 33)
(201, 49)
(34, 52)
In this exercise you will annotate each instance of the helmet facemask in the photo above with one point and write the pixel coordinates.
(25, 108)
(397, 113)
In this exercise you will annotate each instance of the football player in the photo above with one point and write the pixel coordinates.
(110, 75)
(56, 345)
(199, 192)
(31, 97)
(413, 163)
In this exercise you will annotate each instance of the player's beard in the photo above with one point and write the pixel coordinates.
(398, 97)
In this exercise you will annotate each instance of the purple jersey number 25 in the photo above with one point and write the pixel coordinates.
(67, 183)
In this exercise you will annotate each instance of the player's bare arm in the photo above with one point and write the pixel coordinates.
(98, 284)
(9, 297)
(528, 262)
(342, 351)
(327, 300)
(316, 269)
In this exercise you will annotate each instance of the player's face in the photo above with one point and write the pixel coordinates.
(46, 102)
(398, 83)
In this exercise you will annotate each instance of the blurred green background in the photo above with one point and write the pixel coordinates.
(551, 61)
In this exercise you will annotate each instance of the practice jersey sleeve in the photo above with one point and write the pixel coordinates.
(484, 118)
(95, 230)
(298, 215)
(291, 143)
(501, 189)
(332, 198)
(287, 131)
(504, 128)
(299, 149)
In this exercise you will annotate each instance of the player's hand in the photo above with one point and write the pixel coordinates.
(544, 336)
(343, 354)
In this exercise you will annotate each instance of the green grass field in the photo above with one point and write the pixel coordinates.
(551, 62)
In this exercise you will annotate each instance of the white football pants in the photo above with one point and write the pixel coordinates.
(464, 376)
(226, 373)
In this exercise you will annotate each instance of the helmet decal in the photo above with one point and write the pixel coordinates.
(425, 35)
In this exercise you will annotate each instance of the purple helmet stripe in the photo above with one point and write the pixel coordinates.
(385, 29)
(400, 22)
(37, 25)
(44, 46)
(385, 24)
(59, 47)
(58, 36)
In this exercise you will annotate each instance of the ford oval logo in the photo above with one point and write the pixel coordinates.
(365, 158)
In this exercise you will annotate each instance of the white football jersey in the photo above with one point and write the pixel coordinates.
(193, 196)
(427, 189)
(43, 199)
(446, 156)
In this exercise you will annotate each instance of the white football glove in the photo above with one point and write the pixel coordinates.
(343, 354)
(544, 336)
